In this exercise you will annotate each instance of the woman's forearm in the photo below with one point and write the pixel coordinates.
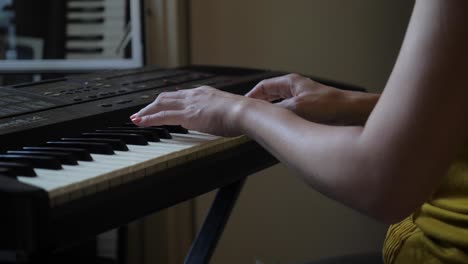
(326, 157)
(358, 106)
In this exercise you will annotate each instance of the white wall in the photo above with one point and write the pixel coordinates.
(278, 219)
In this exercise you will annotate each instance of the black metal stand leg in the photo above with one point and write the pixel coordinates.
(122, 239)
(213, 226)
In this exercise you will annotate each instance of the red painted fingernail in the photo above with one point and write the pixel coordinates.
(136, 119)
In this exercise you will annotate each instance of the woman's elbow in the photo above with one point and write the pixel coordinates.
(392, 193)
(395, 205)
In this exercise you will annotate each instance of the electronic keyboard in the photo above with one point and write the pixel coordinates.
(73, 166)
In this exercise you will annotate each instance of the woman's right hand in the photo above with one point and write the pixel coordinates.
(316, 102)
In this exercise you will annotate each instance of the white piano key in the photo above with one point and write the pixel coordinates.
(108, 171)
(41, 183)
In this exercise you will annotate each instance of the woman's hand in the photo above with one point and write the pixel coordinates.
(316, 102)
(203, 109)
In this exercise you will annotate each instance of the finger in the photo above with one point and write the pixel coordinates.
(179, 94)
(287, 104)
(272, 89)
(161, 104)
(170, 117)
(161, 97)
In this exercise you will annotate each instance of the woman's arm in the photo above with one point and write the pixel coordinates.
(386, 168)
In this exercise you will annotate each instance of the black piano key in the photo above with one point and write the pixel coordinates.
(149, 135)
(162, 132)
(131, 139)
(175, 129)
(171, 128)
(19, 169)
(7, 173)
(116, 144)
(129, 125)
(64, 158)
(35, 161)
(159, 131)
(96, 148)
(79, 153)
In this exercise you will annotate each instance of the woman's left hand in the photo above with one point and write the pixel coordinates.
(203, 109)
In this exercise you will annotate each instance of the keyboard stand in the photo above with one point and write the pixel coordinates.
(207, 238)
(214, 223)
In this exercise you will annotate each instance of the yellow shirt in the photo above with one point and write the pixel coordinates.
(438, 231)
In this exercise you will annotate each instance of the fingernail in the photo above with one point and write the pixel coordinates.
(133, 116)
(136, 120)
